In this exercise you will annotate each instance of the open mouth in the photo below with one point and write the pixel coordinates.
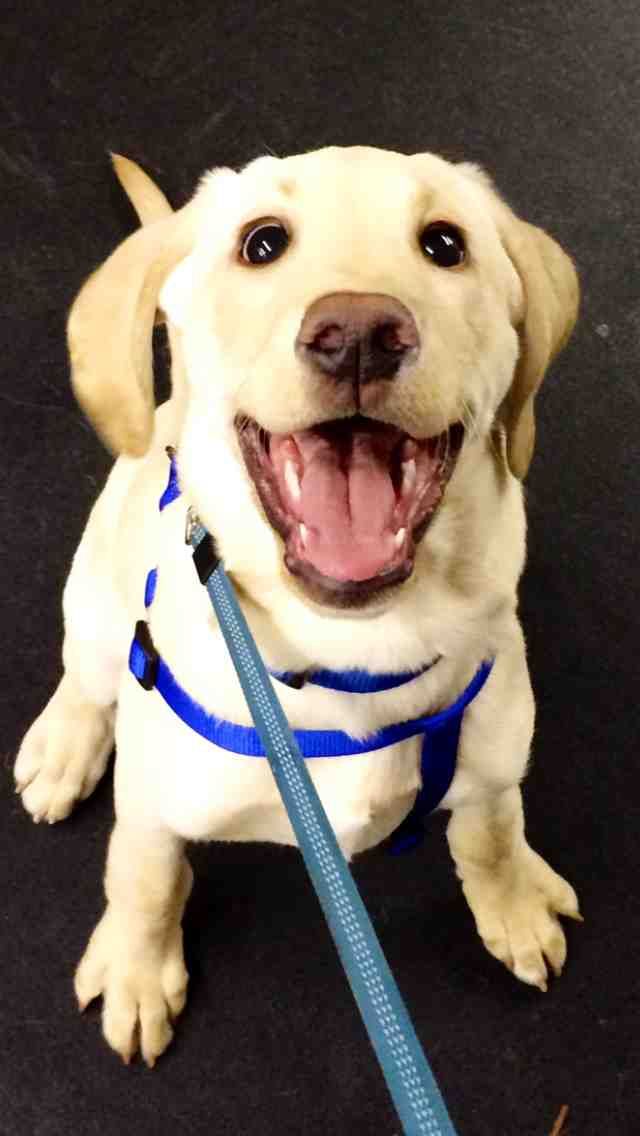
(351, 499)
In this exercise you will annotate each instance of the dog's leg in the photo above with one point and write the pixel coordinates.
(65, 752)
(514, 895)
(134, 957)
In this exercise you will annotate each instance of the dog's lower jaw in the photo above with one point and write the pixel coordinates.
(353, 596)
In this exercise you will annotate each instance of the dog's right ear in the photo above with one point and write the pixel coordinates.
(110, 331)
(147, 198)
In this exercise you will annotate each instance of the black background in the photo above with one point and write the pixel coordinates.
(547, 97)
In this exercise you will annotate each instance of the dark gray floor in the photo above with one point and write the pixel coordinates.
(547, 97)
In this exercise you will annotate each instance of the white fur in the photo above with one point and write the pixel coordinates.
(234, 330)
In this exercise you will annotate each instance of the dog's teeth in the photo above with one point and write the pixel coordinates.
(408, 475)
(292, 480)
(398, 539)
(303, 534)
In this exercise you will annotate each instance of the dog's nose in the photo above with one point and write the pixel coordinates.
(357, 336)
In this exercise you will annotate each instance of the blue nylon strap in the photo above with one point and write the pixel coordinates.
(410, 1081)
(441, 733)
(150, 587)
(437, 766)
(173, 487)
(353, 681)
(443, 728)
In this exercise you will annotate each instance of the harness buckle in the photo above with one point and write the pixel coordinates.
(143, 657)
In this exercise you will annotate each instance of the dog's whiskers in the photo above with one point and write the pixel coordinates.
(267, 147)
(469, 420)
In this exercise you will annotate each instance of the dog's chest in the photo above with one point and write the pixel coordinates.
(204, 792)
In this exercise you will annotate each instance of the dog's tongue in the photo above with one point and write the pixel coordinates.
(347, 498)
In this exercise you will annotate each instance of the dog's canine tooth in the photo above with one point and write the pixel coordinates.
(292, 480)
(303, 534)
(408, 475)
(399, 537)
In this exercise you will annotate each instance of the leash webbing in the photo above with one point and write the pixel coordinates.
(411, 1083)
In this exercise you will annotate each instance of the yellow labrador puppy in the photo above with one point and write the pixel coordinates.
(358, 337)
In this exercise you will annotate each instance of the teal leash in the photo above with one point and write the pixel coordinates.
(413, 1088)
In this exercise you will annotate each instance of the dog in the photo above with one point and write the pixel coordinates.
(357, 338)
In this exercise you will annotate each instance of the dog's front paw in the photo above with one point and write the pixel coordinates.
(516, 914)
(63, 755)
(143, 987)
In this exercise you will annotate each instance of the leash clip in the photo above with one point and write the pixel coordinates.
(191, 524)
(205, 553)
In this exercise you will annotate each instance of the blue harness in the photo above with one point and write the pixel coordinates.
(441, 731)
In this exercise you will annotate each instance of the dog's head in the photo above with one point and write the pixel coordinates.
(350, 320)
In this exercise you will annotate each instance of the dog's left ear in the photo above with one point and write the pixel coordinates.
(551, 298)
(549, 311)
(110, 328)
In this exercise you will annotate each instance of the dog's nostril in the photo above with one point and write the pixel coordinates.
(329, 339)
(387, 337)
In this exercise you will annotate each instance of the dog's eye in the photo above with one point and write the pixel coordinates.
(264, 242)
(443, 244)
